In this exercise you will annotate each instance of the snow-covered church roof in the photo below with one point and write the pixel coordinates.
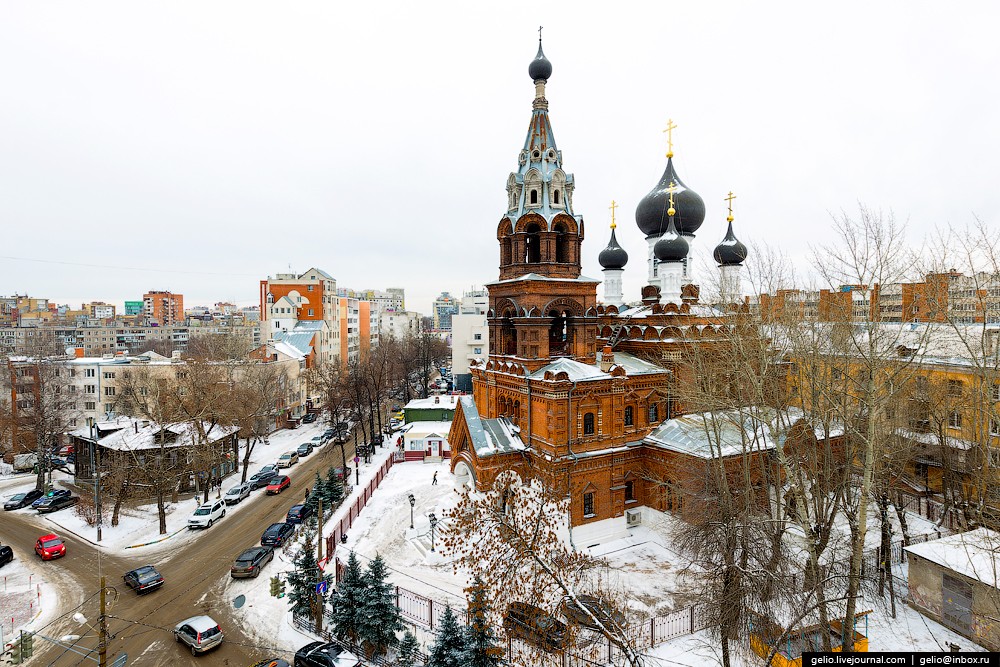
(490, 436)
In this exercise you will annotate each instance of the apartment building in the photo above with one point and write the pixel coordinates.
(444, 307)
(166, 308)
(398, 324)
(470, 336)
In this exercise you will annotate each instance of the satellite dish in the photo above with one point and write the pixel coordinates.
(239, 601)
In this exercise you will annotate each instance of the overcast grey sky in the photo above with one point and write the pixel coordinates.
(199, 147)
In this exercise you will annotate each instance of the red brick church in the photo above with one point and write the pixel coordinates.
(577, 392)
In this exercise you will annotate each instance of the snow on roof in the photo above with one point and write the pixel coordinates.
(934, 440)
(137, 436)
(975, 554)
(535, 276)
(446, 403)
(579, 371)
(722, 433)
(490, 436)
(288, 350)
(427, 430)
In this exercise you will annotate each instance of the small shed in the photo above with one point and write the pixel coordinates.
(764, 633)
(954, 581)
(426, 441)
(431, 409)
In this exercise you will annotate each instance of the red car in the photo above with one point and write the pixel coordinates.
(50, 546)
(278, 484)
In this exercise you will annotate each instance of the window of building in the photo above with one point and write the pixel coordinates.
(534, 196)
(628, 415)
(654, 413)
(994, 427)
(90, 405)
(629, 491)
(588, 504)
(478, 336)
(90, 373)
(109, 391)
(955, 419)
(477, 350)
(555, 196)
(309, 288)
(90, 389)
(109, 375)
(588, 424)
(996, 392)
(955, 387)
(311, 312)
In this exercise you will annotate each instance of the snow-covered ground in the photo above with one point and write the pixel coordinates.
(28, 599)
(140, 525)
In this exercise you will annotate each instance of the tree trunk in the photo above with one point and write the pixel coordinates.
(161, 510)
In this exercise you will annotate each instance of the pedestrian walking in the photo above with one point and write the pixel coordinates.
(434, 480)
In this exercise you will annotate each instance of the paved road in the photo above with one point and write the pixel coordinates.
(195, 574)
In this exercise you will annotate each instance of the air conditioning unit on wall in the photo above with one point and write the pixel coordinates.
(633, 518)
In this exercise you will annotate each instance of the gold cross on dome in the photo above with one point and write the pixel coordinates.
(672, 188)
(730, 199)
(671, 126)
(539, 33)
(613, 206)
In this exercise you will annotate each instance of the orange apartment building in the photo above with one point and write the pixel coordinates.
(165, 307)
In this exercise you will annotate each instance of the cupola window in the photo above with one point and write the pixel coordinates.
(533, 248)
(555, 196)
(534, 196)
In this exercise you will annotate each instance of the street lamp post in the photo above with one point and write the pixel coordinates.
(433, 524)
(413, 501)
(95, 462)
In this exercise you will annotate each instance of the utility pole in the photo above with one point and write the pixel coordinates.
(319, 558)
(102, 648)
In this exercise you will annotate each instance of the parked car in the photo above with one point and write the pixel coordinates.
(298, 514)
(317, 438)
(533, 625)
(66, 450)
(250, 562)
(261, 479)
(288, 459)
(305, 449)
(143, 579)
(50, 546)
(19, 500)
(199, 633)
(277, 534)
(278, 484)
(238, 493)
(272, 662)
(320, 654)
(207, 514)
(270, 467)
(576, 611)
(51, 494)
(6, 555)
(55, 503)
(71, 459)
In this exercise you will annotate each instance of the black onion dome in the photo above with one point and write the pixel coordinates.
(731, 251)
(651, 213)
(672, 247)
(540, 67)
(614, 256)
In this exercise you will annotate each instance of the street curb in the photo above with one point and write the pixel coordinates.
(162, 539)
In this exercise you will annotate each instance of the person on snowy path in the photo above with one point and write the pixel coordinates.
(434, 480)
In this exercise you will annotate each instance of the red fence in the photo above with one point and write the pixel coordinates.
(359, 503)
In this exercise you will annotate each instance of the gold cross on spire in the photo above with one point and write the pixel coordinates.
(670, 137)
(613, 206)
(730, 199)
(671, 189)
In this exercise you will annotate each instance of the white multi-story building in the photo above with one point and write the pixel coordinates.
(470, 337)
(398, 324)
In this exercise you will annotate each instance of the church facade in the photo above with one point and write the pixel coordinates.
(581, 392)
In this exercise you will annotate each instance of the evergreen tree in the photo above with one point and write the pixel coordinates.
(303, 578)
(449, 647)
(379, 620)
(347, 601)
(334, 487)
(482, 649)
(408, 654)
(317, 493)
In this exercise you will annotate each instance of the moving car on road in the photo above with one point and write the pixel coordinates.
(277, 534)
(143, 579)
(199, 633)
(58, 502)
(288, 459)
(50, 546)
(250, 562)
(207, 514)
(319, 654)
(19, 500)
(278, 484)
(238, 493)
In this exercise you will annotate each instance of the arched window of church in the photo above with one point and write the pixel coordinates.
(505, 251)
(588, 424)
(559, 332)
(562, 243)
(628, 415)
(508, 336)
(534, 196)
(654, 413)
(555, 196)
(533, 248)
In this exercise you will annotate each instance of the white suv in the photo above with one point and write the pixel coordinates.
(207, 514)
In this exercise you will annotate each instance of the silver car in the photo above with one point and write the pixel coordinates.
(238, 493)
(200, 633)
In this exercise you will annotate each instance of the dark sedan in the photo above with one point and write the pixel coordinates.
(19, 500)
(261, 479)
(250, 562)
(57, 503)
(51, 494)
(305, 449)
(277, 534)
(143, 579)
(6, 555)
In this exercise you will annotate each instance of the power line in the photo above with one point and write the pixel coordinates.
(124, 268)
